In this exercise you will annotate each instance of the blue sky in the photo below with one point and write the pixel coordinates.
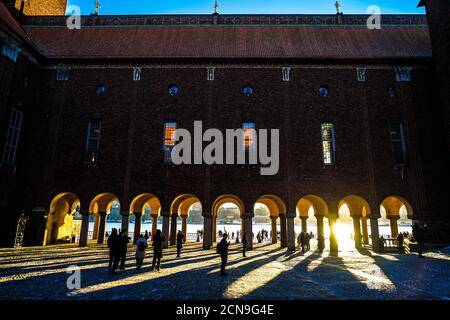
(243, 6)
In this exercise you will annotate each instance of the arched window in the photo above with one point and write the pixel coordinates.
(324, 91)
(248, 90)
(100, 89)
(174, 90)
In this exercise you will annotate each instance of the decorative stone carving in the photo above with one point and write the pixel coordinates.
(137, 74)
(286, 73)
(361, 74)
(210, 73)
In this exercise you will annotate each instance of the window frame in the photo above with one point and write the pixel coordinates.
(16, 130)
(167, 149)
(89, 139)
(332, 142)
(401, 141)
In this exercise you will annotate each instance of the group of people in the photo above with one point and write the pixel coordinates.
(303, 240)
(262, 235)
(118, 245)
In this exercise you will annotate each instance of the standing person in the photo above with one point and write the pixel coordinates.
(114, 251)
(244, 244)
(302, 241)
(124, 240)
(180, 240)
(307, 240)
(222, 249)
(400, 241)
(146, 236)
(141, 245)
(158, 240)
(299, 240)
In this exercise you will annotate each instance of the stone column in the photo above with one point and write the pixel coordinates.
(365, 233)
(96, 224)
(137, 225)
(165, 228)
(375, 232)
(173, 228)
(207, 232)
(304, 224)
(332, 218)
(213, 229)
(249, 229)
(274, 230)
(125, 220)
(101, 227)
(320, 233)
(184, 226)
(242, 227)
(84, 233)
(283, 231)
(154, 224)
(357, 231)
(290, 232)
(394, 226)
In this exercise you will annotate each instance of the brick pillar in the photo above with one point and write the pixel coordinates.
(320, 233)
(173, 228)
(365, 233)
(165, 228)
(137, 225)
(249, 229)
(84, 233)
(290, 232)
(304, 224)
(96, 224)
(394, 226)
(184, 226)
(332, 218)
(207, 232)
(283, 231)
(357, 231)
(154, 224)
(101, 228)
(125, 220)
(274, 230)
(213, 229)
(375, 232)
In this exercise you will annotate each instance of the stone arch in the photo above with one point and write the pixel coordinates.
(320, 208)
(99, 207)
(277, 210)
(59, 225)
(220, 201)
(137, 208)
(180, 208)
(392, 206)
(359, 210)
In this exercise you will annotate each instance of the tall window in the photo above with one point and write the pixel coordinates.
(169, 140)
(249, 136)
(398, 144)
(12, 137)
(328, 144)
(93, 140)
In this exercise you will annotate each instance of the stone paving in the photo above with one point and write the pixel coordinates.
(267, 273)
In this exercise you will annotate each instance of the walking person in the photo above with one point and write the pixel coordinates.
(307, 240)
(180, 240)
(141, 245)
(302, 241)
(158, 240)
(114, 251)
(244, 244)
(222, 249)
(124, 240)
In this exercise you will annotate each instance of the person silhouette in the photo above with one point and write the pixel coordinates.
(158, 240)
(141, 245)
(180, 240)
(222, 249)
(114, 251)
(244, 243)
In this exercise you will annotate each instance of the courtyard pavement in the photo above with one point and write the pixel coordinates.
(267, 273)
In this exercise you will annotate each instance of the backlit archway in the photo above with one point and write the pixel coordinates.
(397, 210)
(100, 207)
(269, 210)
(139, 206)
(61, 227)
(312, 210)
(351, 226)
(180, 209)
(228, 209)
